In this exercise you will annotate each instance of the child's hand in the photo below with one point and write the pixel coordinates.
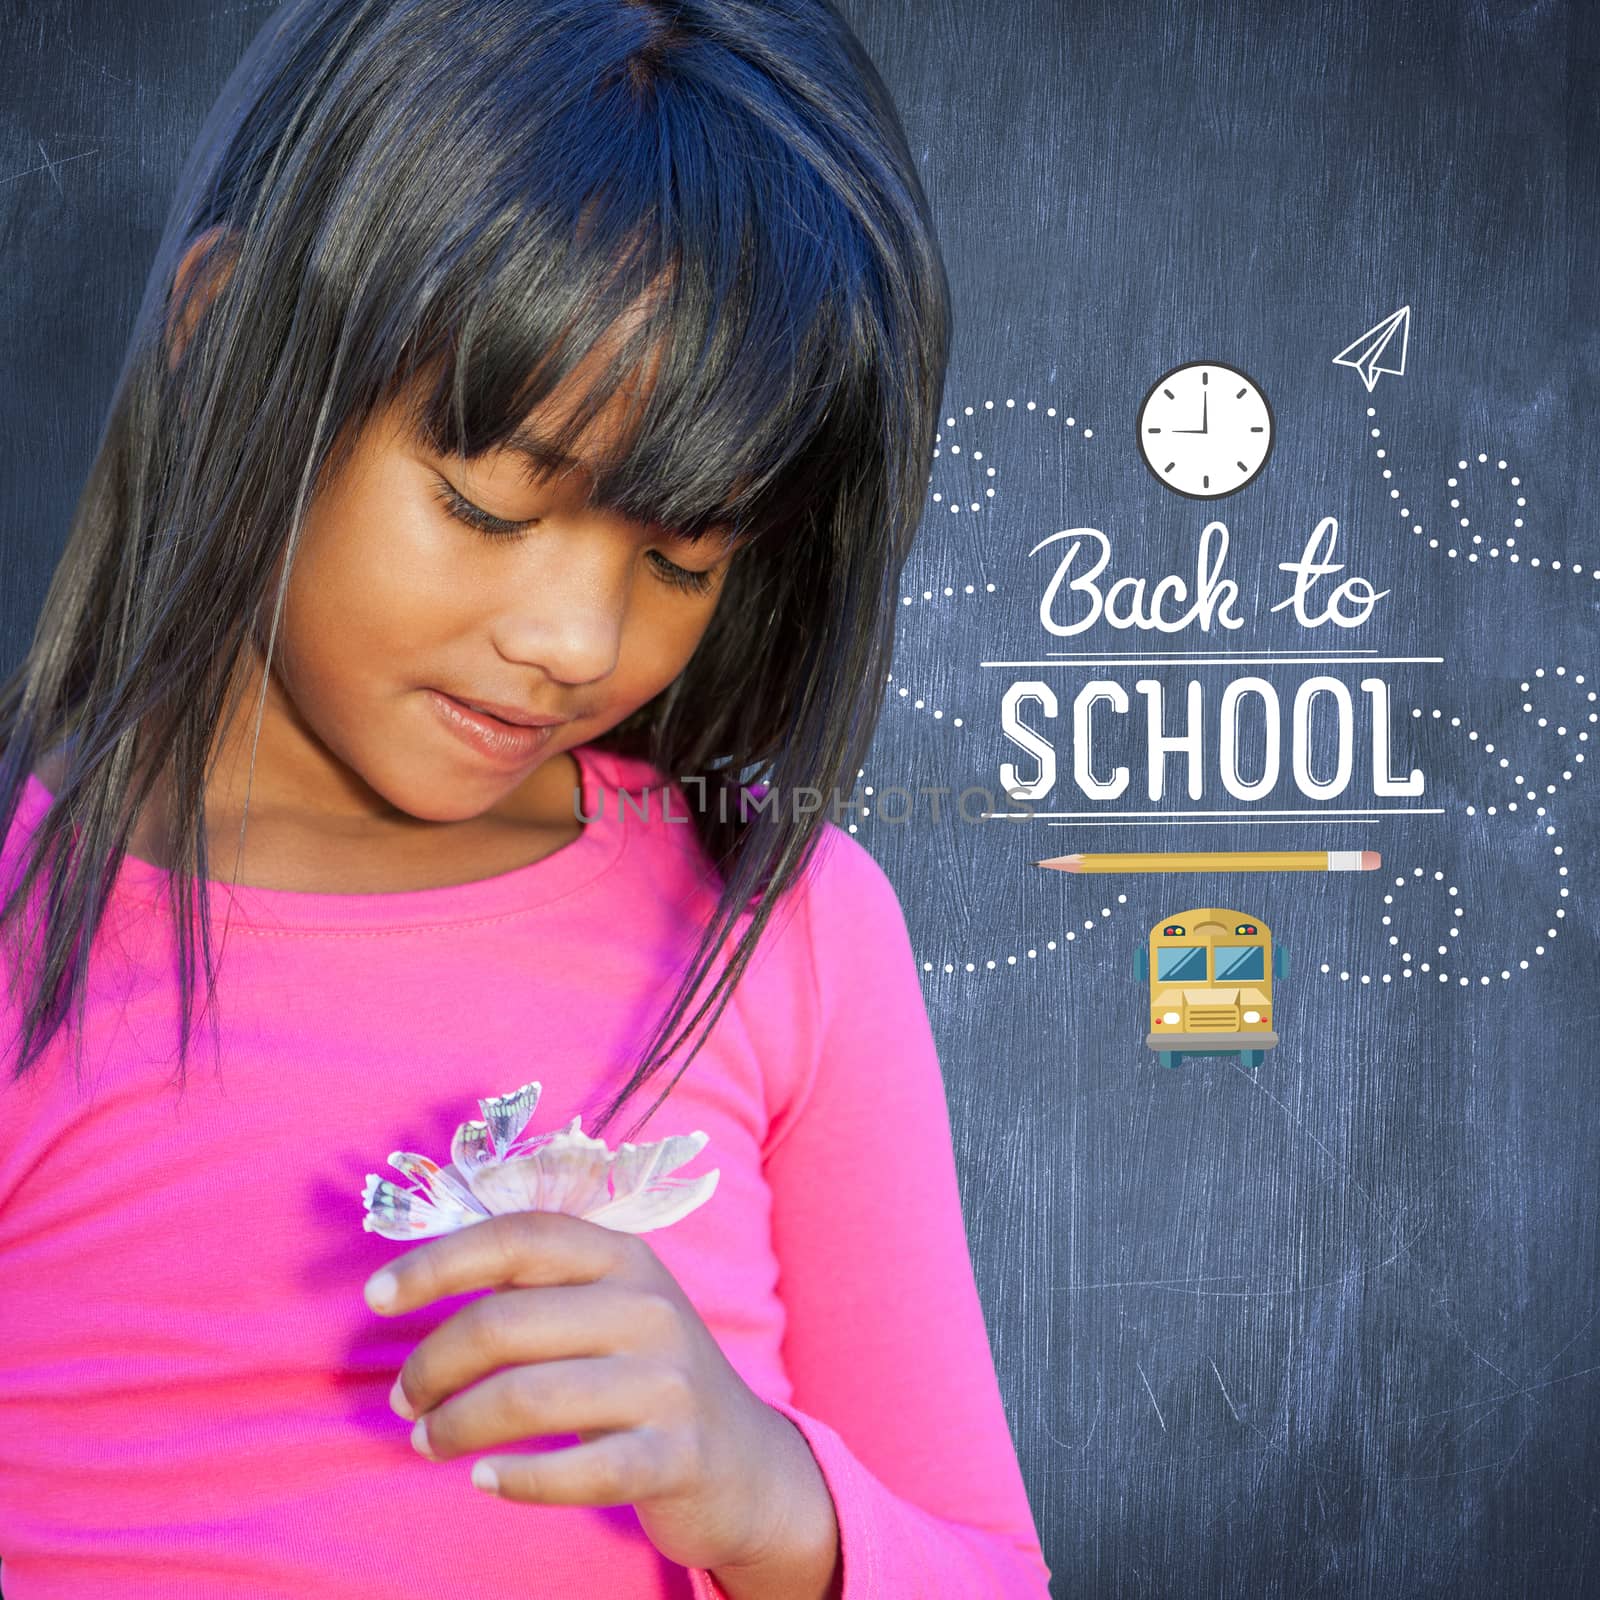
(590, 1334)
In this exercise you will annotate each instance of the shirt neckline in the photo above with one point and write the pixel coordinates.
(596, 849)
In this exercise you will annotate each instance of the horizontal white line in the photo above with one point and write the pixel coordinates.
(1265, 822)
(1086, 655)
(1225, 660)
(1238, 816)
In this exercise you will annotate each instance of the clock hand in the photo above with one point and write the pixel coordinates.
(1201, 428)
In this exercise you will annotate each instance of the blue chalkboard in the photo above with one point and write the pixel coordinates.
(1330, 1326)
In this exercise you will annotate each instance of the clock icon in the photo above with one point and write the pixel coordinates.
(1205, 429)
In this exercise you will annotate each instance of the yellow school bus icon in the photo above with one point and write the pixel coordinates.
(1210, 974)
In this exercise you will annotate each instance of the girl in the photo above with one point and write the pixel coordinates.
(529, 409)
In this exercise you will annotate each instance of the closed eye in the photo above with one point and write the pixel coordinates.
(493, 527)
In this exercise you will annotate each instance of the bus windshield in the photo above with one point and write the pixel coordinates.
(1181, 963)
(1240, 963)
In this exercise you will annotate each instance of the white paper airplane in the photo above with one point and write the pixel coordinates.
(1367, 354)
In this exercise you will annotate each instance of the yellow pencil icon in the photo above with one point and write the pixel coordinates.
(1219, 861)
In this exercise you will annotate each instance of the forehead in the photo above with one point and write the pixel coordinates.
(603, 427)
(609, 435)
(535, 447)
(542, 445)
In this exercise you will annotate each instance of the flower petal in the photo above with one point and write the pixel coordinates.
(508, 1114)
(665, 1201)
(443, 1185)
(635, 1165)
(567, 1173)
(470, 1148)
(399, 1213)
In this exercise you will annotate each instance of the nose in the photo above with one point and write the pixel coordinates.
(564, 610)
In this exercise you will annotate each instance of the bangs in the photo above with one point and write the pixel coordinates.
(706, 282)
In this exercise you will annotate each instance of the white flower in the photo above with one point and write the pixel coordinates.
(493, 1170)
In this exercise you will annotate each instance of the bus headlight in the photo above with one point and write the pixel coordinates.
(1170, 1016)
(1252, 1016)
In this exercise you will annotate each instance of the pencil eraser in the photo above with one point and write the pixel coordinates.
(1351, 860)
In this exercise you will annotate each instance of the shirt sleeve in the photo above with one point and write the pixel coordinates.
(894, 1384)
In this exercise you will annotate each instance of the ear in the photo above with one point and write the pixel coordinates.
(206, 266)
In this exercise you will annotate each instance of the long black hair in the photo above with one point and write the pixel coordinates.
(468, 194)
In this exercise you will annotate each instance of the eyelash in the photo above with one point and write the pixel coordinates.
(493, 527)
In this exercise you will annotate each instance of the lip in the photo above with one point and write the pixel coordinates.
(507, 744)
(511, 714)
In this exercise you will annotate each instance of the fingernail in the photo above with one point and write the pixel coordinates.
(419, 1439)
(485, 1477)
(399, 1404)
(381, 1289)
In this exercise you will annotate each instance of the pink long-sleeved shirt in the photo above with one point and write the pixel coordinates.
(193, 1392)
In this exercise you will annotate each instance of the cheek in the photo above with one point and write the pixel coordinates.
(665, 634)
(367, 595)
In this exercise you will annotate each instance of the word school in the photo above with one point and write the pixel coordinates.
(1190, 742)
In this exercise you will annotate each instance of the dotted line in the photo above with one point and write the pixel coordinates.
(1457, 911)
(991, 964)
(922, 705)
(1032, 953)
(927, 594)
(1512, 554)
(977, 455)
(1544, 722)
(1505, 761)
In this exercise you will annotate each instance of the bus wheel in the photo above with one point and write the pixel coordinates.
(1252, 1058)
(1170, 1058)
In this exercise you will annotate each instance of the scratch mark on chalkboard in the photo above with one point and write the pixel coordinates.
(55, 176)
(1512, 1457)
(95, 65)
(1151, 1392)
(1099, 1406)
(1261, 1468)
(1544, 1366)
(1344, 1168)
(1467, 1344)
(49, 166)
(1184, 1285)
(1462, 1472)
(135, 84)
(1495, 1399)
(1224, 1388)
